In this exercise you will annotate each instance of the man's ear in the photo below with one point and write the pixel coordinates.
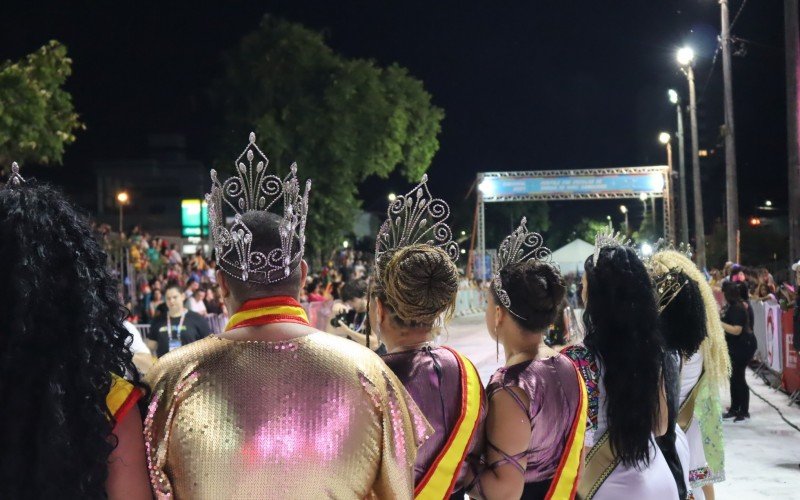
(224, 291)
(303, 272)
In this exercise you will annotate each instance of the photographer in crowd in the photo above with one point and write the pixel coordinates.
(350, 314)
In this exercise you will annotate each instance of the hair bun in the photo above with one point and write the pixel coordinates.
(420, 282)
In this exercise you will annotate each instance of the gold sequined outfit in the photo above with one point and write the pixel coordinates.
(313, 417)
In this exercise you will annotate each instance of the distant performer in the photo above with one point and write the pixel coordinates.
(273, 408)
(537, 400)
(413, 293)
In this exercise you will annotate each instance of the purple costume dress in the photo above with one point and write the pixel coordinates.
(433, 379)
(553, 392)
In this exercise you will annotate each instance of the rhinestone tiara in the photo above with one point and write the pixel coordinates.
(668, 286)
(520, 246)
(416, 218)
(606, 237)
(253, 189)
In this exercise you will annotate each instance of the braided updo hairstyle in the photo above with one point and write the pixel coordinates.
(536, 290)
(417, 284)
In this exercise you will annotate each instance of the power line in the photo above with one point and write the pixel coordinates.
(741, 7)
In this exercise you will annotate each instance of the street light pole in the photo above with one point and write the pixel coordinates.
(624, 210)
(684, 209)
(792, 41)
(685, 57)
(731, 188)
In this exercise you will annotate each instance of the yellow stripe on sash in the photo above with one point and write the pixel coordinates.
(565, 481)
(118, 394)
(242, 316)
(440, 479)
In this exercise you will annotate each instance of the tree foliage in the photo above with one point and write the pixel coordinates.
(37, 118)
(341, 119)
(503, 218)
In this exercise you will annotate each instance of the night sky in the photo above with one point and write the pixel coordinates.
(525, 85)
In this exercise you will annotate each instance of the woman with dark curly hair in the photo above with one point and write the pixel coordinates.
(621, 360)
(537, 401)
(71, 428)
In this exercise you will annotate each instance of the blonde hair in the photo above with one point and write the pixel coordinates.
(716, 362)
(418, 284)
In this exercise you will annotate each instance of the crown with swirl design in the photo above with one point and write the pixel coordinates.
(253, 189)
(416, 218)
(520, 246)
(606, 238)
(668, 285)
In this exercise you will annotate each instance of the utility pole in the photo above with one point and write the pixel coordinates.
(675, 99)
(685, 57)
(792, 37)
(731, 187)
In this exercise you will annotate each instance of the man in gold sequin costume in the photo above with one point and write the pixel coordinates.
(273, 408)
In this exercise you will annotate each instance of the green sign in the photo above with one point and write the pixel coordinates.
(194, 218)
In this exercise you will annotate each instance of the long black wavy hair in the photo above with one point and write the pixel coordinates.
(61, 338)
(683, 320)
(622, 330)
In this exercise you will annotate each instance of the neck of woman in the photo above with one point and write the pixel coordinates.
(525, 346)
(406, 339)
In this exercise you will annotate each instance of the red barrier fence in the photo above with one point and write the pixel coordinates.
(791, 367)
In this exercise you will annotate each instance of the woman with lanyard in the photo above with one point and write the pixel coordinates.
(178, 327)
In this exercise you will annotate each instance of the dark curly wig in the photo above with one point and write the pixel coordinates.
(536, 290)
(683, 321)
(61, 338)
(622, 330)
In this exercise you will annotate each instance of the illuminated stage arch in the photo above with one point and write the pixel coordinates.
(583, 184)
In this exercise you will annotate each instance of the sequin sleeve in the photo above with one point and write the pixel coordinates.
(168, 388)
(404, 431)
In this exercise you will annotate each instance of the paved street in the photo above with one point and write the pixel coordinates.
(761, 454)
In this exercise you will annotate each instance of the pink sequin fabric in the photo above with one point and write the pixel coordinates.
(313, 417)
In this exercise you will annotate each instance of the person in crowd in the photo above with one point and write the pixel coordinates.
(741, 347)
(196, 302)
(314, 291)
(796, 314)
(414, 291)
(621, 360)
(178, 327)
(213, 303)
(273, 407)
(537, 400)
(691, 325)
(191, 286)
(142, 357)
(70, 427)
(349, 316)
(154, 308)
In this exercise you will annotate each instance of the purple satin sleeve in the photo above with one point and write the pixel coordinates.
(433, 379)
(553, 391)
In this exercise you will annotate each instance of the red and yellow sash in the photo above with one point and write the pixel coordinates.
(565, 482)
(121, 397)
(440, 479)
(268, 310)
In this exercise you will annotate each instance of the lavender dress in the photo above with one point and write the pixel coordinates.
(553, 390)
(433, 379)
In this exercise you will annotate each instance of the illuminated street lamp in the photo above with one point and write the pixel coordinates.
(624, 210)
(122, 200)
(392, 197)
(685, 56)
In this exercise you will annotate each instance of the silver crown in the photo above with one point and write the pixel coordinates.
(252, 189)
(520, 246)
(416, 218)
(15, 179)
(683, 248)
(606, 238)
(668, 286)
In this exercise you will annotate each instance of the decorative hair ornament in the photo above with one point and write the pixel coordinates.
(668, 286)
(250, 190)
(15, 179)
(520, 246)
(416, 218)
(684, 248)
(607, 238)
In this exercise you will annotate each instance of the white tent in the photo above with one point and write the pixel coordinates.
(571, 256)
